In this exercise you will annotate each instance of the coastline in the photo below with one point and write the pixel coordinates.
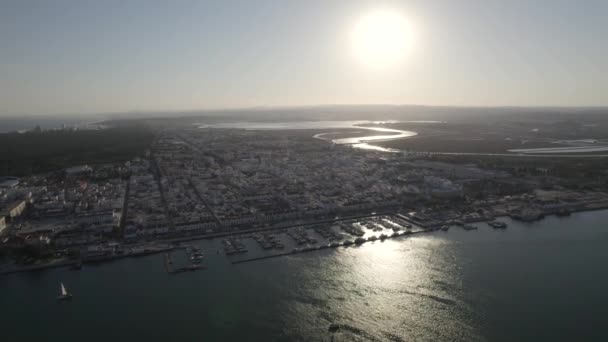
(169, 244)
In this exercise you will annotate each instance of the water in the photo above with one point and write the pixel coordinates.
(573, 149)
(530, 282)
(285, 125)
(574, 146)
(583, 146)
(361, 142)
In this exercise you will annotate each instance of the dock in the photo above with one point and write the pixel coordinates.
(168, 261)
(321, 247)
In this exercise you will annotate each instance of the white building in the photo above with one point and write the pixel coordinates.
(2, 223)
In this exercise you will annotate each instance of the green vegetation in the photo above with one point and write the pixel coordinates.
(37, 152)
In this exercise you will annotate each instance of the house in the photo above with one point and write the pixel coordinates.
(14, 209)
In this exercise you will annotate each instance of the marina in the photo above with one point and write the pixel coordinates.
(289, 238)
(192, 258)
(418, 275)
(323, 246)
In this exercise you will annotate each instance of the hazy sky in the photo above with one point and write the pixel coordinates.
(85, 56)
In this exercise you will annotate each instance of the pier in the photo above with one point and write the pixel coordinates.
(168, 261)
(279, 226)
(321, 247)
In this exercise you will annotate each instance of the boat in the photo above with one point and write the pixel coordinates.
(469, 227)
(497, 224)
(65, 295)
(445, 228)
(196, 258)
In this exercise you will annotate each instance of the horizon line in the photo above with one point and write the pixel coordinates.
(291, 107)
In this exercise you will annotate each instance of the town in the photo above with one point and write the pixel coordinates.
(288, 192)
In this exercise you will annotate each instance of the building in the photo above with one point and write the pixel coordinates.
(8, 182)
(15, 209)
(2, 223)
(78, 170)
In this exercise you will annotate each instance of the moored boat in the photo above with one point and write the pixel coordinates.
(497, 224)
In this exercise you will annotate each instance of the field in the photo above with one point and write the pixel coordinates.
(498, 136)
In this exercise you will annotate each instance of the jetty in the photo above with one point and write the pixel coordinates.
(168, 262)
(327, 246)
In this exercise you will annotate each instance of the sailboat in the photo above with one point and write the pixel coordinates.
(64, 294)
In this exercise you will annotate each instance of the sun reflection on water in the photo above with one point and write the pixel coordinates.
(406, 289)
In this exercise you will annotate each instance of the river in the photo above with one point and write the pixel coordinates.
(362, 142)
(582, 148)
(530, 282)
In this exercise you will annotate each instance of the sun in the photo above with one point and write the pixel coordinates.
(381, 38)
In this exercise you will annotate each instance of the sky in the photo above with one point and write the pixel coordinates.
(90, 56)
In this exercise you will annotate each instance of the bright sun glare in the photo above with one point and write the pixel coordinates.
(381, 38)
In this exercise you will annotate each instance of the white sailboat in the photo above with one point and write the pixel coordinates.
(65, 295)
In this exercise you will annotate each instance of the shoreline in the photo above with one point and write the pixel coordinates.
(173, 243)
